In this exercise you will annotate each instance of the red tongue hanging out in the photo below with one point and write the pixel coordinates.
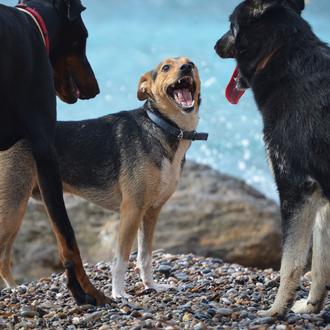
(233, 94)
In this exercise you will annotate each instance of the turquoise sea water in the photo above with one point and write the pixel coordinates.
(130, 37)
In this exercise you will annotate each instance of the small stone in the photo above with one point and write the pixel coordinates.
(243, 314)
(22, 289)
(264, 320)
(136, 327)
(187, 317)
(125, 310)
(92, 317)
(105, 327)
(28, 312)
(164, 269)
(75, 320)
(54, 288)
(182, 277)
(281, 327)
(148, 324)
(326, 317)
(147, 316)
(114, 317)
(199, 326)
(224, 311)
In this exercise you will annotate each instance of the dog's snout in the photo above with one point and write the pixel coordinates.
(186, 68)
(225, 46)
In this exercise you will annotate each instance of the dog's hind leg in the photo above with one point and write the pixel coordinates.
(144, 258)
(298, 215)
(130, 219)
(320, 265)
(16, 179)
(49, 181)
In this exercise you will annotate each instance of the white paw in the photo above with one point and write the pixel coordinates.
(158, 287)
(272, 312)
(302, 307)
(120, 295)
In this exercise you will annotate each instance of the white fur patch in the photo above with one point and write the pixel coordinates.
(118, 278)
(170, 173)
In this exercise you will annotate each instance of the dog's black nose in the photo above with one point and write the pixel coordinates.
(186, 68)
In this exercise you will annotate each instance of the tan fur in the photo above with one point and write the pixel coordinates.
(16, 178)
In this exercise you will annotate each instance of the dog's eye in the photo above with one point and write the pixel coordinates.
(166, 67)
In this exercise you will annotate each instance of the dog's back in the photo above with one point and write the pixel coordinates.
(106, 151)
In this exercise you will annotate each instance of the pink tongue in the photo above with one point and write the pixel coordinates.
(233, 95)
(183, 96)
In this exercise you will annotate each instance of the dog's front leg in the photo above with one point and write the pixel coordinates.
(320, 265)
(298, 209)
(144, 258)
(130, 219)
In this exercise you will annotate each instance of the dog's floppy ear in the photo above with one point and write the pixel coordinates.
(144, 86)
(71, 8)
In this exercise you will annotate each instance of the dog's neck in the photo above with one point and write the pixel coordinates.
(185, 122)
(52, 20)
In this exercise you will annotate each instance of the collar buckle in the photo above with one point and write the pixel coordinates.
(180, 135)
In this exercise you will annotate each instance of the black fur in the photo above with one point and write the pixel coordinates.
(292, 92)
(111, 143)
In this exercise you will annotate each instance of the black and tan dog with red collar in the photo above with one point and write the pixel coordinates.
(43, 45)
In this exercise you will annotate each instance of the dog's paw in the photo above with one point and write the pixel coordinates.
(303, 307)
(272, 312)
(120, 295)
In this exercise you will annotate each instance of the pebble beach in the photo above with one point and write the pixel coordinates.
(206, 293)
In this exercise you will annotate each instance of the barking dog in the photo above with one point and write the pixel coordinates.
(130, 161)
(288, 69)
(43, 43)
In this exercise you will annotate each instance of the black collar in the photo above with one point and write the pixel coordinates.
(178, 133)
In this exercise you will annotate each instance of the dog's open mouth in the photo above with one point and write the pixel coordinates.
(182, 93)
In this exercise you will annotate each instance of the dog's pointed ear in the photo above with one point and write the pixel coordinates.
(259, 6)
(144, 86)
(71, 8)
(296, 5)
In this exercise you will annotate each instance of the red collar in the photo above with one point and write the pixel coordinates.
(38, 21)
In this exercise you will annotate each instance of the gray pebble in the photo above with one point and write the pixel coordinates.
(224, 311)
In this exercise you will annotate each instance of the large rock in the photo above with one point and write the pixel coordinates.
(211, 214)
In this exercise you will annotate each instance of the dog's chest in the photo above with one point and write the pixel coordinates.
(170, 173)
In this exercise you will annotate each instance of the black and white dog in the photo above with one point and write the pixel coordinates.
(288, 69)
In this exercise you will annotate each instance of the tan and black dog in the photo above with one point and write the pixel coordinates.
(130, 161)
